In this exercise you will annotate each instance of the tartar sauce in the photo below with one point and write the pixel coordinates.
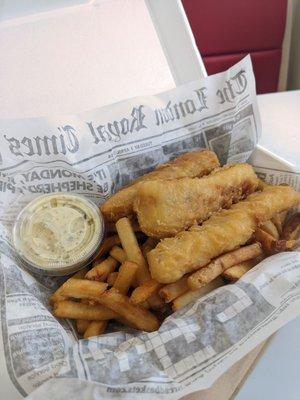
(58, 234)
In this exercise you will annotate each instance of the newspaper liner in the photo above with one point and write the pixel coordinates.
(94, 154)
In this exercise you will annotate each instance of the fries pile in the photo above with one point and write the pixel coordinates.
(119, 285)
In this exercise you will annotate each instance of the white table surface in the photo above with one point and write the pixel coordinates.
(280, 115)
(276, 374)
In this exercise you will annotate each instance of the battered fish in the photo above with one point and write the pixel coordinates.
(198, 163)
(223, 232)
(166, 208)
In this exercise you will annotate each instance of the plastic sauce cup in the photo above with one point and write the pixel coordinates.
(58, 234)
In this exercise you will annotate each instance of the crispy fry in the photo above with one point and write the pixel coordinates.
(198, 163)
(272, 246)
(57, 296)
(74, 310)
(155, 302)
(192, 295)
(139, 317)
(291, 229)
(126, 323)
(107, 244)
(100, 271)
(95, 328)
(218, 265)
(88, 301)
(237, 271)
(145, 305)
(284, 245)
(282, 216)
(267, 241)
(173, 290)
(278, 221)
(126, 276)
(82, 325)
(80, 274)
(118, 254)
(174, 257)
(269, 227)
(111, 226)
(149, 245)
(145, 291)
(165, 208)
(132, 249)
(111, 279)
(83, 289)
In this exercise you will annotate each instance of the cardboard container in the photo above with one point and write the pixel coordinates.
(77, 58)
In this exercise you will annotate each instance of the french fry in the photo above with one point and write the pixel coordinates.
(127, 323)
(100, 271)
(80, 274)
(90, 302)
(234, 273)
(291, 229)
(282, 216)
(155, 302)
(241, 254)
(111, 226)
(126, 276)
(272, 246)
(112, 278)
(145, 305)
(145, 291)
(172, 290)
(149, 245)
(57, 296)
(278, 221)
(192, 295)
(95, 328)
(139, 317)
(83, 289)
(206, 274)
(269, 227)
(107, 244)
(75, 310)
(82, 325)
(284, 245)
(132, 249)
(267, 241)
(118, 254)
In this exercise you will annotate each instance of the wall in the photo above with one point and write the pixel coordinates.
(294, 64)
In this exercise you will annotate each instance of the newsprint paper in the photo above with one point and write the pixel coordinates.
(94, 154)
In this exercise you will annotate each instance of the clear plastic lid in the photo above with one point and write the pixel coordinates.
(58, 234)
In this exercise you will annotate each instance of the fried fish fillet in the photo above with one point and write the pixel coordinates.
(166, 208)
(198, 163)
(222, 232)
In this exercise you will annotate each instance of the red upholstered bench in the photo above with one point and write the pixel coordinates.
(227, 30)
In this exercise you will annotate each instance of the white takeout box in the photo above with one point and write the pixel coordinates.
(62, 61)
(143, 44)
